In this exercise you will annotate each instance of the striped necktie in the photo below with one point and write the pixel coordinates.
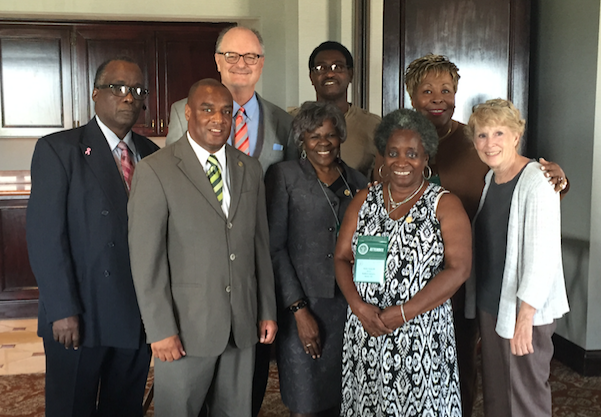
(241, 133)
(127, 165)
(214, 175)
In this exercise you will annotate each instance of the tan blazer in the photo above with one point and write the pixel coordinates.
(197, 273)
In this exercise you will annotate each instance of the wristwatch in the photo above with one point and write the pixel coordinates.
(301, 304)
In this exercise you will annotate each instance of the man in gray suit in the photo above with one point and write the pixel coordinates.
(239, 55)
(202, 272)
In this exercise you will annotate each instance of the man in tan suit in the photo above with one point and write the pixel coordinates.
(200, 261)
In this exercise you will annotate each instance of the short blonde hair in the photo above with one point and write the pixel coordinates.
(418, 69)
(496, 112)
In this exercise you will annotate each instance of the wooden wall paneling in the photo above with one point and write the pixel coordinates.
(35, 80)
(17, 281)
(97, 43)
(393, 63)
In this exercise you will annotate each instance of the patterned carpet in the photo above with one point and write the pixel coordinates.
(573, 395)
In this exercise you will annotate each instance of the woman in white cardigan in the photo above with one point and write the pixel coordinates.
(517, 287)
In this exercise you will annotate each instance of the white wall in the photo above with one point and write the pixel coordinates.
(566, 121)
(290, 28)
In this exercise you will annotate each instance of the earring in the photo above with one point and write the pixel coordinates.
(303, 154)
(427, 177)
(380, 171)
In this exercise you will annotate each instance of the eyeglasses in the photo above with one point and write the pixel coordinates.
(234, 57)
(121, 90)
(322, 69)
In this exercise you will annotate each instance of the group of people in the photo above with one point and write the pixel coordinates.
(345, 235)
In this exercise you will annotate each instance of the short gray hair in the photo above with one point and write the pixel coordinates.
(227, 29)
(405, 119)
(311, 116)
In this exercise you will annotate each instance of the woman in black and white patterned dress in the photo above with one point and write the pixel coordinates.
(399, 356)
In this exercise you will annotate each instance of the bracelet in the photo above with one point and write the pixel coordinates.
(300, 305)
(403, 314)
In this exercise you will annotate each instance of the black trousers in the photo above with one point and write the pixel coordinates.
(261, 375)
(95, 381)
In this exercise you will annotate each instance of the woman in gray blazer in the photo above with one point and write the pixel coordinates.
(306, 201)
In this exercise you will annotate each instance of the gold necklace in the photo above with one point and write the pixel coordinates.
(446, 134)
(394, 205)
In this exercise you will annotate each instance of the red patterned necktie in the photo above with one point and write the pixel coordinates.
(127, 165)
(241, 133)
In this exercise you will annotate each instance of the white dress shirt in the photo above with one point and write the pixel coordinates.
(203, 155)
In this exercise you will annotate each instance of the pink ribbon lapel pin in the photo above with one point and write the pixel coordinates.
(88, 151)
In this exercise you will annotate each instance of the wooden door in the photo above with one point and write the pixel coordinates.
(185, 55)
(487, 39)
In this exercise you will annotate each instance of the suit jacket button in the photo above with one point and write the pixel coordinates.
(111, 244)
(330, 255)
(330, 229)
(106, 273)
(228, 289)
(232, 256)
(104, 212)
(230, 225)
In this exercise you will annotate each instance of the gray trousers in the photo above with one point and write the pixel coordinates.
(516, 386)
(224, 382)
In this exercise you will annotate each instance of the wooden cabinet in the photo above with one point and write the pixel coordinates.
(35, 80)
(18, 288)
(48, 70)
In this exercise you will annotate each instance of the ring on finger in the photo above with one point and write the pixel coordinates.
(308, 345)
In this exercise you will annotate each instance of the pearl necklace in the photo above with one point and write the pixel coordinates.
(394, 205)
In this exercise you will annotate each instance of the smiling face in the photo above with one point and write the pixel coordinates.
(240, 75)
(434, 97)
(405, 159)
(118, 113)
(331, 85)
(322, 145)
(209, 116)
(496, 146)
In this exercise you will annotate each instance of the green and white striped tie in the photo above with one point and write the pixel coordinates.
(214, 175)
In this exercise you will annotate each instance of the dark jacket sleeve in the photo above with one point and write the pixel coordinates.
(48, 235)
(288, 286)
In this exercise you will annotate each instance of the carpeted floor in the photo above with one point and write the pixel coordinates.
(573, 395)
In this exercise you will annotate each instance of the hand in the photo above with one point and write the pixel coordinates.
(392, 317)
(66, 331)
(308, 332)
(169, 349)
(521, 344)
(369, 315)
(557, 178)
(267, 331)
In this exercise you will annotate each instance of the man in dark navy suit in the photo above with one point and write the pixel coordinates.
(96, 355)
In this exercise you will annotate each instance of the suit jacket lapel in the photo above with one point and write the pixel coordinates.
(236, 173)
(142, 146)
(264, 123)
(99, 157)
(192, 169)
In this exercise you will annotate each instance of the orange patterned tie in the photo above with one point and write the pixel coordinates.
(241, 133)
(127, 166)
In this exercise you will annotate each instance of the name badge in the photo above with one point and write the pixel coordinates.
(370, 259)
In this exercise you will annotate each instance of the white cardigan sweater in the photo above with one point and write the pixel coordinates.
(533, 266)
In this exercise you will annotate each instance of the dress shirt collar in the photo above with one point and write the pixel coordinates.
(251, 108)
(113, 140)
(203, 155)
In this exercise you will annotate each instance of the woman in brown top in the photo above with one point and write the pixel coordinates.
(431, 82)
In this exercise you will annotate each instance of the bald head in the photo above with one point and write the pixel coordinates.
(211, 82)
